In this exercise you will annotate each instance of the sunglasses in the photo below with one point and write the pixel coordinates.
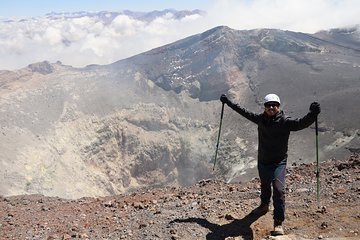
(268, 105)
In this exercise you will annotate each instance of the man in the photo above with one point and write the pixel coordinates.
(273, 134)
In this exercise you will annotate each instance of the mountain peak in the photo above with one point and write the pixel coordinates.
(198, 64)
(153, 118)
(42, 67)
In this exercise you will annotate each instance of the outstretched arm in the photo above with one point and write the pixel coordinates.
(242, 111)
(307, 120)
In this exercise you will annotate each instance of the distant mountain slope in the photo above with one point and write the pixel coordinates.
(152, 119)
(349, 37)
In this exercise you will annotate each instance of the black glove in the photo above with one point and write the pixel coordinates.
(315, 108)
(224, 99)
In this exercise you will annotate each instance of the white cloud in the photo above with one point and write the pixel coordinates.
(84, 40)
(305, 15)
(53, 35)
(89, 40)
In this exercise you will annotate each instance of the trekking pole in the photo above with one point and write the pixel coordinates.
(317, 164)
(218, 140)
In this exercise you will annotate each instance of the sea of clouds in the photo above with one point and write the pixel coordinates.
(80, 39)
(84, 39)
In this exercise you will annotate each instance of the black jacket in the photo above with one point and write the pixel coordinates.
(273, 133)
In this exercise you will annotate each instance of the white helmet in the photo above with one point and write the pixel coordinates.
(272, 98)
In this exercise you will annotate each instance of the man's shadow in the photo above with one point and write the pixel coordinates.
(238, 227)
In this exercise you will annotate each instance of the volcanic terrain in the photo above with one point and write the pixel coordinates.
(210, 209)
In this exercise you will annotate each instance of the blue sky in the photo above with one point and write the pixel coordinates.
(13, 8)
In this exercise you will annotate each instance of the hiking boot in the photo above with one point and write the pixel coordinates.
(278, 230)
(261, 210)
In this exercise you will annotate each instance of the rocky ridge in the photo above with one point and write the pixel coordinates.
(210, 209)
(152, 119)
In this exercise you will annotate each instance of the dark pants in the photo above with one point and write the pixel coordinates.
(273, 174)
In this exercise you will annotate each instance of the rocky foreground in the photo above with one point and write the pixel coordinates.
(210, 209)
